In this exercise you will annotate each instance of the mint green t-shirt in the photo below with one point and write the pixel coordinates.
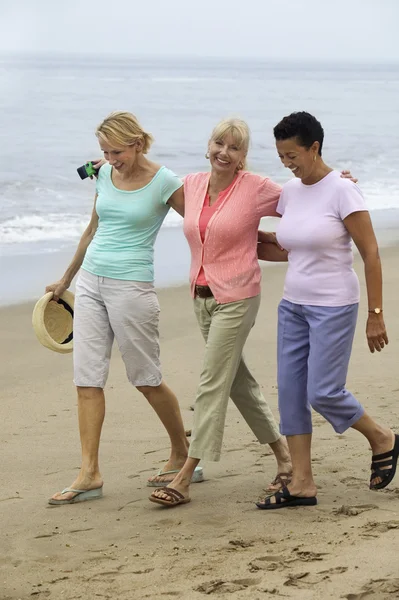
(128, 224)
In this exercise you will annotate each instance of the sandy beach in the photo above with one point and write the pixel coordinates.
(123, 547)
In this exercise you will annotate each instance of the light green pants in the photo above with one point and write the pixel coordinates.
(225, 328)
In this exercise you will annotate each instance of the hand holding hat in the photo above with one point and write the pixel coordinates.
(52, 319)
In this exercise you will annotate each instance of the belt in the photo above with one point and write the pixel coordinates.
(203, 291)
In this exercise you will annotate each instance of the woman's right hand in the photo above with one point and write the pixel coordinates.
(97, 164)
(57, 288)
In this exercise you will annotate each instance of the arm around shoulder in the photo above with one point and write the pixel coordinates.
(268, 197)
(176, 201)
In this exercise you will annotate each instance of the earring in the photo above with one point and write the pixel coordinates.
(240, 166)
(207, 155)
(314, 158)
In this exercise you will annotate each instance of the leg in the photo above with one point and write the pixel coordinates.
(302, 489)
(229, 328)
(292, 370)
(295, 415)
(226, 327)
(331, 333)
(134, 315)
(247, 396)
(166, 406)
(382, 440)
(93, 338)
(302, 483)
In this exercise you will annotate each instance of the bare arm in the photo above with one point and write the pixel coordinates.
(361, 231)
(271, 252)
(176, 201)
(60, 286)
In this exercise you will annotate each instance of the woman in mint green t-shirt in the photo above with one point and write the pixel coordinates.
(115, 296)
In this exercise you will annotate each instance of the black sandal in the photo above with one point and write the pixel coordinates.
(386, 475)
(284, 499)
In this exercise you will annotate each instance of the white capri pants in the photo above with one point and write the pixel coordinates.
(128, 311)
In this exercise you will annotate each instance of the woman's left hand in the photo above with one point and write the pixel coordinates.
(348, 175)
(376, 333)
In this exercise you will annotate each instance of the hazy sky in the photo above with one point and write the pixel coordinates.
(287, 29)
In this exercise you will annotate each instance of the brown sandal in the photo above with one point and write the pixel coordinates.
(175, 497)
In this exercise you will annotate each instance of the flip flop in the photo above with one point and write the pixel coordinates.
(197, 477)
(175, 497)
(284, 499)
(386, 475)
(81, 496)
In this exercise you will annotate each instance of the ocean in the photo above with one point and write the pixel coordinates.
(50, 107)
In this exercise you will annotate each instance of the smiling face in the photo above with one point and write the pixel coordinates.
(225, 154)
(121, 158)
(300, 160)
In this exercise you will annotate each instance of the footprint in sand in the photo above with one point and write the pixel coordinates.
(228, 475)
(351, 511)
(383, 589)
(308, 556)
(219, 586)
(241, 543)
(376, 527)
(353, 481)
(269, 562)
(306, 579)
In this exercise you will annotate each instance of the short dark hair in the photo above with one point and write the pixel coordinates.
(303, 126)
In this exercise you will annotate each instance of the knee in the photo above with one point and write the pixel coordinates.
(148, 391)
(318, 399)
(89, 393)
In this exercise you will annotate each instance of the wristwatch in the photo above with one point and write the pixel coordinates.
(376, 311)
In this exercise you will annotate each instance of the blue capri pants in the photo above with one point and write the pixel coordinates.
(313, 351)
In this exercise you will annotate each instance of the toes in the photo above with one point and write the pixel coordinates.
(61, 496)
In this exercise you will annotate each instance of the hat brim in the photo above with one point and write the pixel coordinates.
(39, 326)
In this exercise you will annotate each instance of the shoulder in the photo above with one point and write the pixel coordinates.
(342, 183)
(258, 183)
(195, 179)
(345, 187)
(167, 174)
(104, 170)
(251, 179)
(104, 174)
(292, 184)
(195, 176)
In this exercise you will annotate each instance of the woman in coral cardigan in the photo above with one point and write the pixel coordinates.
(222, 214)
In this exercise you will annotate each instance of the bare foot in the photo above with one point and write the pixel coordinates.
(173, 466)
(284, 465)
(82, 482)
(180, 483)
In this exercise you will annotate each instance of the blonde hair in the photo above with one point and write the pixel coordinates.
(124, 129)
(239, 131)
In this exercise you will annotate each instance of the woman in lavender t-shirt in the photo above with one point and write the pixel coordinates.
(321, 215)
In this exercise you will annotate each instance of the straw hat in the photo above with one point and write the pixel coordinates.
(53, 322)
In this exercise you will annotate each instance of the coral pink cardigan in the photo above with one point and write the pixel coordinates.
(229, 251)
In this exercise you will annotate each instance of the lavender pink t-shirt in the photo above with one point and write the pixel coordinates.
(320, 258)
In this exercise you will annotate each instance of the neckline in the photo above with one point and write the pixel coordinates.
(133, 191)
(310, 185)
(222, 194)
